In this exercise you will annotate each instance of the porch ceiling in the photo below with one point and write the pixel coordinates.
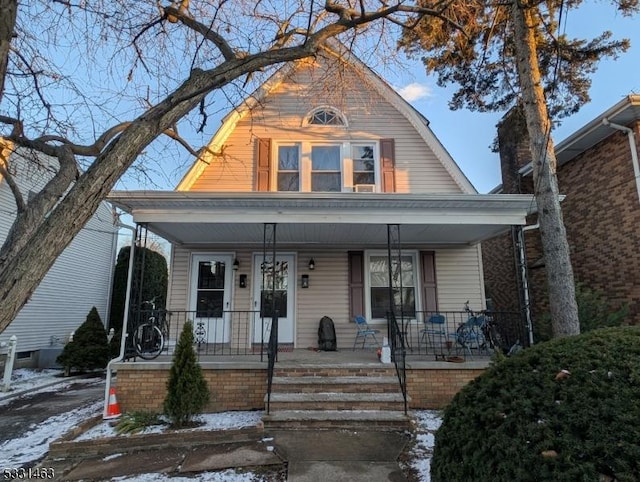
(341, 219)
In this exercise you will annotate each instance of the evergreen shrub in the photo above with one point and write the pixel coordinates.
(526, 419)
(89, 349)
(187, 390)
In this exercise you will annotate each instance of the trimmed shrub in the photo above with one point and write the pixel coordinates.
(594, 312)
(187, 390)
(154, 284)
(526, 419)
(89, 349)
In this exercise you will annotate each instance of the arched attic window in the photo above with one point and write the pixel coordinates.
(325, 116)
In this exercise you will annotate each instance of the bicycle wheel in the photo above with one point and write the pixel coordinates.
(148, 341)
(495, 339)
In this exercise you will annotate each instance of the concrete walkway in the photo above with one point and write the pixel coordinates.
(306, 455)
(323, 455)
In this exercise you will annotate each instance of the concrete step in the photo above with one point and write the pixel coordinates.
(353, 384)
(336, 371)
(348, 419)
(336, 401)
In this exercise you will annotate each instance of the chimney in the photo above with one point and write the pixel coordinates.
(513, 147)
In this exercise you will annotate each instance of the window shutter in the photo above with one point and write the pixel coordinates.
(263, 165)
(388, 164)
(356, 283)
(429, 285)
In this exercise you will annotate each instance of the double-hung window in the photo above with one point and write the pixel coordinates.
(288, 167)
(403, 285)
(326, 168)
(309, 166)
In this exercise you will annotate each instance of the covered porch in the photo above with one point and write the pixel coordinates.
(320, 229)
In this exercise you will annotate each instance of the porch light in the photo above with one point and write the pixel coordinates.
(312, 264)
(236, 264)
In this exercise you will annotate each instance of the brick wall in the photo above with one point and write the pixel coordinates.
(142, 386)
(601, 213)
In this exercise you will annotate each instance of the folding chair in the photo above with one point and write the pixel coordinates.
(435, 333)
(363, 331)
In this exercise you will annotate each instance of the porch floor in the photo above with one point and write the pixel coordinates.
(340, 358)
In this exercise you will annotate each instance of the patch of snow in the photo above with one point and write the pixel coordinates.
(34, 444)
(111, 457)
(225, 476)
(209, 421)
(427, 423)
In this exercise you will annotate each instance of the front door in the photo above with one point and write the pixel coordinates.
(211, 282)
(274, 288)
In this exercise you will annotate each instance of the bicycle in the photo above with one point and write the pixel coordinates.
(479, 329)
(149, 337)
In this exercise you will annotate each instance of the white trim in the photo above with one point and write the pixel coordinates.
(417, 284)
(305, 119)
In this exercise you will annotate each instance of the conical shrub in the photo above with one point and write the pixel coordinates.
(89, 349)
(187, 390)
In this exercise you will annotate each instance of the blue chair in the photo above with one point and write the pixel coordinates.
(363, 331)
(434, 333)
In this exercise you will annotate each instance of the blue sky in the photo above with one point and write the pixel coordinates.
(468, 135)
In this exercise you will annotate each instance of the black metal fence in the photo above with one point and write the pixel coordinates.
(229, 333)
(458, 333)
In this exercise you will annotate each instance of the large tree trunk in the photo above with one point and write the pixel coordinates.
(9, 9)
(23, 269)
(562, 299)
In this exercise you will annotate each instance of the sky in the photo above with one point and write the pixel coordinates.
(468, 135)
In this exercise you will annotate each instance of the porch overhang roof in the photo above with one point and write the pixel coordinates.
(339, 219)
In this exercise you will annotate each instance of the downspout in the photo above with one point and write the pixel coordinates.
(634, 149)
(125, 319)
(524, 278)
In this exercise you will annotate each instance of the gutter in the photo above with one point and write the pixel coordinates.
(125, 320)
(633, 147)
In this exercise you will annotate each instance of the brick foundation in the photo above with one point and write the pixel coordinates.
(142, 386)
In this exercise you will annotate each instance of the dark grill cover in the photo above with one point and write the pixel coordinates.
(326, 335)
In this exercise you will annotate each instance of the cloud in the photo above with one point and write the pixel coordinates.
(414, 91)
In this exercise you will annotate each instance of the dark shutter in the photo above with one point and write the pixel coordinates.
(263, 165)
(388, 164)
(429, 285)
(356, 283)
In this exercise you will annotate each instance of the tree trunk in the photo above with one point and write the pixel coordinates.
(562, 299)
(9, 9)
(23, 269)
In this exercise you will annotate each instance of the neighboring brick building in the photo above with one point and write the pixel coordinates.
(601, 211)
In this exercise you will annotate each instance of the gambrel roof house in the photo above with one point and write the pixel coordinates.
(328, 167)
(599, 177)
(79, 279)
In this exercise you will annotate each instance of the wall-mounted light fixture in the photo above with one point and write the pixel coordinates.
(243, 281)
(304, 282)
(236, 264)
(312, 264)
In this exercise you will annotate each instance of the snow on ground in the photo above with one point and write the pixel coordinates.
(209, 421)
(34, 444)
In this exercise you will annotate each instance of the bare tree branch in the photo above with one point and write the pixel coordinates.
(4, 173)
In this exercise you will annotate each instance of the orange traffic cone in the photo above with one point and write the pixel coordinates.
(113, 409)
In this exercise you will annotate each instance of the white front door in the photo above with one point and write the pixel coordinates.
(211, 282)
(278, 285)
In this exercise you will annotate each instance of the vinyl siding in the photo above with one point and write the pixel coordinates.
(458, 275)
(369, 115)
(79, 279)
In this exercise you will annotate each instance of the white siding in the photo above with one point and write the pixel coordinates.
(459, 278)
(79, 279)
(370, 117)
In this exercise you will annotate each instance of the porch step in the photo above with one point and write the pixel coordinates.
(337, 401)
(336, 396)
(346, 419)
(353, 384)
